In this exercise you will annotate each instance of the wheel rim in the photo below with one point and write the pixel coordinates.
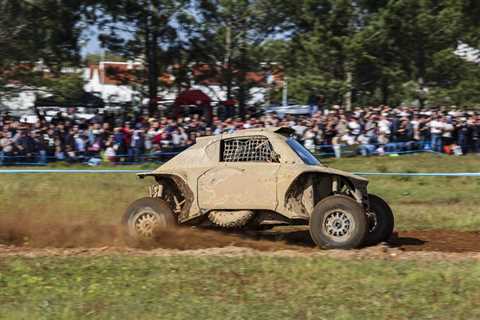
(338, 224)
(144, 222)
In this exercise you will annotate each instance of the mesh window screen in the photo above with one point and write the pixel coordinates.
(253, 148)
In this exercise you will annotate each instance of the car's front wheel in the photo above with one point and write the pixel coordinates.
(145, 216)
(338, 222)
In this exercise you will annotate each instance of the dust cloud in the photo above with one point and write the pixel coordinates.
(45, 231)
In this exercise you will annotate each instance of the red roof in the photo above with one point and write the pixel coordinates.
(206, 76)
(117, 73)
(114, 73)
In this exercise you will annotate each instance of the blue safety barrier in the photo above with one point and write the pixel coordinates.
(70, 171)
(320, 151)
(421, 174)
(114, 171)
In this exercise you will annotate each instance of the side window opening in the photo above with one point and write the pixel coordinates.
(247, 149)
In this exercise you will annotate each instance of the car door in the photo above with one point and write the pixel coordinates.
(246, 177)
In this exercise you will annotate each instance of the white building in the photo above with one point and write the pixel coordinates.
(99, 80)
(114, 83)
(105, 80)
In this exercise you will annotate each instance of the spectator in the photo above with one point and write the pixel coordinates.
(436, 130)
(369, 130)
(6, 147)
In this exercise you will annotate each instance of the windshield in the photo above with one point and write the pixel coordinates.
(302, 152)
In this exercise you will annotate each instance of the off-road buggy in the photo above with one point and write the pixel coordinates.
(260, 178)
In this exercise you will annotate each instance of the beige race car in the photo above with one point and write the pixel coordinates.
(260, 178)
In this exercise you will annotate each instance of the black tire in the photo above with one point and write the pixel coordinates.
(348, 228)
(146, 215)
(380, 221)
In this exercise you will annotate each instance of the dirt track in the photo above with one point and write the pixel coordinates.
(23, 237)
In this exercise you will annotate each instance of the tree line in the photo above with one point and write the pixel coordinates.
(356, 52)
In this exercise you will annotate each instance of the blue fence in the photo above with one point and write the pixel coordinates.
(122, 171)
(321, 151)
(370, 149)
(70, 171)
(92, 159)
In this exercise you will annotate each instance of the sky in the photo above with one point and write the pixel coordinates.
(92, 46)
(91, 43)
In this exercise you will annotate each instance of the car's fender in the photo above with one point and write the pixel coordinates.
(187, 188)
(300, 187)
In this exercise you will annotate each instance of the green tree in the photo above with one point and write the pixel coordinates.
(230, 36)
(324, 48)
(382, 51)
(36, 36)
(147, 28)
(95, 58)
(414, 42)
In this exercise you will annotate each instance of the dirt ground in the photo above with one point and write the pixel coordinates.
(24, 237)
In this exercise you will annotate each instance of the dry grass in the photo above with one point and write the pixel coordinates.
(418, 202)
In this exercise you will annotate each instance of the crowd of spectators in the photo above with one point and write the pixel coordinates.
(123, 138)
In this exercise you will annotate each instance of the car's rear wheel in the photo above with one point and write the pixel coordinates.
(380, 221)
(146, 216)
(338, 222)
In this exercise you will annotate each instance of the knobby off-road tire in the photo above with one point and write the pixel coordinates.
(380, 221)
(146, 216)
(338, 222)
(230, 219)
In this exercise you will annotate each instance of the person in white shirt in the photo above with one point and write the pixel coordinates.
(354, 127)
(384, 125)
(436, 129)
(447, 135)
(416, 128)
(309, 140)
